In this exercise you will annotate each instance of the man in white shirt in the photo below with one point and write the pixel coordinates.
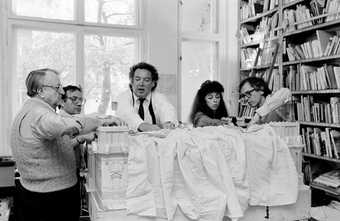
(269, 106)
(141, 107)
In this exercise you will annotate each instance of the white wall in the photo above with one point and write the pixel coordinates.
(161, 29)
(231, 79)
(4, 135)
(162, 37)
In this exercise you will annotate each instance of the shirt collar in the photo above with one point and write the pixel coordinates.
(147, 99)
(35, 99)
(62, 112)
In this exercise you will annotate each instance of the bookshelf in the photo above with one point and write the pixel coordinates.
(307, 62)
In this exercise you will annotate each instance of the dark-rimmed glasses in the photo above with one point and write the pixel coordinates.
(77, 100)
(247, 94)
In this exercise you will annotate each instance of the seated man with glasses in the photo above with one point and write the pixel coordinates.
(269, 106)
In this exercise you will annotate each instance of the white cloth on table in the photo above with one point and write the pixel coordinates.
(272, 175)
(209, 172)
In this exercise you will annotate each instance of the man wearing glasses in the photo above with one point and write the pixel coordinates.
(71, 106)
(47, 168)
(269, 106)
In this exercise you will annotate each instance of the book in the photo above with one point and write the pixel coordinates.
(323, 37)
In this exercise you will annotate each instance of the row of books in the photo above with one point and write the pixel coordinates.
(321, 142)
(318, 111)
(247, 38)
(265, 57)
(250, 9)
(248, 56)
(306, 77)
(333, 9)
(324, 44)
(265, 29)
(254, 7)
(301, 15)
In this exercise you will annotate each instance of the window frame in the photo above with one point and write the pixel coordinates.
(217, 38)
(10, 22)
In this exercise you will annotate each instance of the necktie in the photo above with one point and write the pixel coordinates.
(141, 109)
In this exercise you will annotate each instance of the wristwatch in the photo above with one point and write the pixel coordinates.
(78, 141)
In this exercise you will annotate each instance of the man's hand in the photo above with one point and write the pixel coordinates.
(255, 119)
(148, 127)
(168, 125)
(71, 131)
(89, 137)
(112, 121)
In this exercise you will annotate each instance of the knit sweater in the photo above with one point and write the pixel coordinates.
(44, 165)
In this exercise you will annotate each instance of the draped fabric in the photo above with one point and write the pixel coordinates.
(208, 173)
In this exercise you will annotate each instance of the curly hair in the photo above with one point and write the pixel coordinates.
(200, 104)
(146, 66)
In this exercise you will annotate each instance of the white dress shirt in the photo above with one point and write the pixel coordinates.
(275, 100)
(128, 104)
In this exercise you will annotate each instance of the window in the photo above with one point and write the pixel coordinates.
(92, 43)
(202, 28)
(199, 60)
(107, 62)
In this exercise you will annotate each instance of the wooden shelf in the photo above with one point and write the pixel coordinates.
(310, 28)
(258, 67)
(333, 57)
(321, 157)
(257, 17)
(328, 91)
(250, 45)
(292, 4)
(306, 123)
(327, 189)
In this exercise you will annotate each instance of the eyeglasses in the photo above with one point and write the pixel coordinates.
(247, 94)
(57, 88)
(77, 100)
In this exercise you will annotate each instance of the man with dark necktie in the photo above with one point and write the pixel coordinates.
(141, 107)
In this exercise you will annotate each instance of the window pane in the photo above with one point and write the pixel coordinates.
(41, 49)
(107, 63)
(52, 9)
(118, 12)
(198, 64)
(199, 16)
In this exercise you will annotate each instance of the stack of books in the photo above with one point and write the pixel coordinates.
(330, 179)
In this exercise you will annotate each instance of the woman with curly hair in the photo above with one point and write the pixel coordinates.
(209, 108)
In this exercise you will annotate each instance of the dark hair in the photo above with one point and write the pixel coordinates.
(33, 80)
(70, 88)
(200, 104)
(146, 66)
(258, 84)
